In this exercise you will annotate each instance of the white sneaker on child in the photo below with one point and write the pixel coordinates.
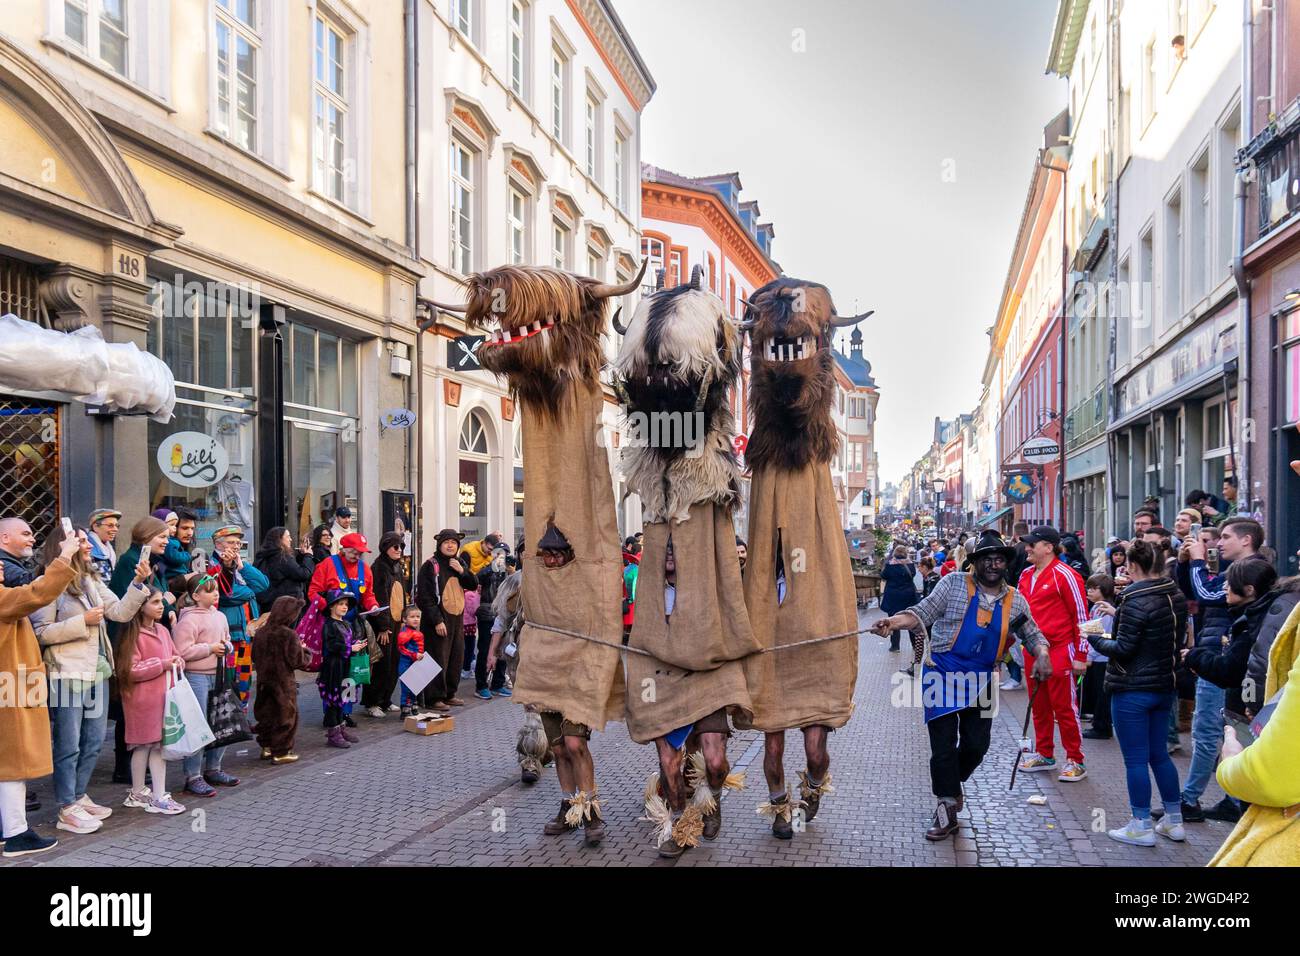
(138, 799)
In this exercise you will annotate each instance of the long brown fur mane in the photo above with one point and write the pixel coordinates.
(541, 370)
(791, 402)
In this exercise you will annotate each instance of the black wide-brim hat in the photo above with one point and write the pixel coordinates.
(447, 534)
(334, 595)
(990, 542)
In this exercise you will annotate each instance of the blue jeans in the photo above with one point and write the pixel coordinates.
(1141, 720)
(78, 722)
(1207, 736)
(1172, 737)
(205, 761)
(1014, 670)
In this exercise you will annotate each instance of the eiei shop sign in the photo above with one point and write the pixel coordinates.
(192, 459)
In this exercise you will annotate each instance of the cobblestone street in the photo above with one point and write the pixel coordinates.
(398, 799)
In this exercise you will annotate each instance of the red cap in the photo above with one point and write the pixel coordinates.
(355, 540)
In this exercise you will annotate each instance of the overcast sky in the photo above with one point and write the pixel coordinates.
(847, 147)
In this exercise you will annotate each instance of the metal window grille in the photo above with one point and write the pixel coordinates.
(20, 286)
(29, 462)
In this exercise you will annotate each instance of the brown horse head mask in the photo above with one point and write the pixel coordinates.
(544, 328)
(792, 374)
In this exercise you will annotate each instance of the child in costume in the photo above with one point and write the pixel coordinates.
(338, 644)
(410, 648)
(277, 653)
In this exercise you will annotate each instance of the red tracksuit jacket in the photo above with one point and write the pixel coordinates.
(1059, 605)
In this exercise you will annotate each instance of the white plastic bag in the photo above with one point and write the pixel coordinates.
(34, 359)
(117, 376)
(185, 729)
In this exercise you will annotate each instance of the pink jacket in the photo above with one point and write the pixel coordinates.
(144, 695)
(195, 631)
(472, 600)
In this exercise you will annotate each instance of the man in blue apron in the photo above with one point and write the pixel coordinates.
(971, 617)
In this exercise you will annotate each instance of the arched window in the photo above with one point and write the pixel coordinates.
(474, 471)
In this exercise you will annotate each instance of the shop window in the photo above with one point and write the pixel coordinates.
(219, 498)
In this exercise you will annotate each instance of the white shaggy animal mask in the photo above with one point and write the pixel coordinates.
(680, 356)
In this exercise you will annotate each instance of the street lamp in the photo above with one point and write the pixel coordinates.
(938, 485)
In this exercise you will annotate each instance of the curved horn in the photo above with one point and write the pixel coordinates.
(619, 327)
(447, 307)
(843, 322)
(604, 290)
(697, 273)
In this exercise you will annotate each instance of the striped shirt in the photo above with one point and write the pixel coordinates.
(943, 612)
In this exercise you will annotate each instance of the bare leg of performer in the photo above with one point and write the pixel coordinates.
(778, 796)
(714, 748)
(568, 777)
(583, 770)
(815, 782)
(671, 778)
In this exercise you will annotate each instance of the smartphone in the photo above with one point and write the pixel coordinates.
(1240, 725)
(1212, 560)
(68, 531)
(1194, 533)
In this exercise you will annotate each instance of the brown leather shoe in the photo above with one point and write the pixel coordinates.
(713, 821)
(455, 702)
(781, 827)
(593, 830)
(945, 822)
(559, 825)
(670, 849)
(441, 707)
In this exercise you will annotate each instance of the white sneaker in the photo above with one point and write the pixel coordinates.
(1173, 831)
(1009, 684)
(93, 808)
(75, 819)
(375, 711)
(1134, 834)
(394, 709)
(165, 804)
(138, 799)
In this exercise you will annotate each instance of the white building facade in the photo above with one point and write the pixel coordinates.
(529, 146)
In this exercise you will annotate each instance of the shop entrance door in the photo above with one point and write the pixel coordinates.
(316, 483)
(29, 462)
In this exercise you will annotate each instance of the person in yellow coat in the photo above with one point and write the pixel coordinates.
(1267, 773)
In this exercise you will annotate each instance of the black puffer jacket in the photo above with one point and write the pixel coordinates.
(1257, 666)
(1150, 618)
(1226, 665)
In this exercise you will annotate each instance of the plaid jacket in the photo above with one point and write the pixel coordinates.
(944, 610)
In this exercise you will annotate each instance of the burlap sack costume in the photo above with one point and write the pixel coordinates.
(811, 684)
(696, 668)
(567, 480)
(792, 508)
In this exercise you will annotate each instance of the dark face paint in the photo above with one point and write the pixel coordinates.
(990, 570)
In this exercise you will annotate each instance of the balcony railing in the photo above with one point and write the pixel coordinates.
(1275, 154)
(1087, 419)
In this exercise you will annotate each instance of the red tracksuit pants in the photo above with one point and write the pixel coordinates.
(1056, 701)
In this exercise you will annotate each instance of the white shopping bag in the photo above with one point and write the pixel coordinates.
(419, 674)
(185, 728)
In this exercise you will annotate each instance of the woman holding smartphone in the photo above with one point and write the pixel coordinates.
(1150, 616)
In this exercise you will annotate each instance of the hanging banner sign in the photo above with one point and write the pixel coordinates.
(1018, 486)
(192, 459)
(1040, 451)
(462, 352)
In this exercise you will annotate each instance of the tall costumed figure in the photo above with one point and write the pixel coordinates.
(545, 340)
(798, 579)
(679, 359)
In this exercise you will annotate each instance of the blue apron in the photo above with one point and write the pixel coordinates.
(972, 658)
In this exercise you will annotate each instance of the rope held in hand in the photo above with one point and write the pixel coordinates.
(638, 650)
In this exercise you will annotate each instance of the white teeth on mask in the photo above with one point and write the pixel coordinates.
(505, 336)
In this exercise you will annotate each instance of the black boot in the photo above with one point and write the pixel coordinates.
(713, 821)
(781, 826)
